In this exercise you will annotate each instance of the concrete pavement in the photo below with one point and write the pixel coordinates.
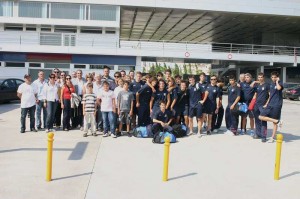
(216, 166)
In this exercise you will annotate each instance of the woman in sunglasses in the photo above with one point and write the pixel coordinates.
(66, 94)
(50, 93)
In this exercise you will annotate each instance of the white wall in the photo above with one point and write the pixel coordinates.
(13, 72)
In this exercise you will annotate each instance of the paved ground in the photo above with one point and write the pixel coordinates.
(216, 166)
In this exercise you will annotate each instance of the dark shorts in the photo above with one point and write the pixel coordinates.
(209, 108)
(196, 111)
(182, 110)
(249, 113)
(124, 117)
(135, 110)
(272, 112)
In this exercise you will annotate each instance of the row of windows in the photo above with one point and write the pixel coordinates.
(60, 10)
(66, 66)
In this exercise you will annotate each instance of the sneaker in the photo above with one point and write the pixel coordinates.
(113, 135)
(215, 130)
(255, 136)
(190, 133)
(129, 134)
(39, 128)
(251, 133)
(229, 132)
(52, 130)
(208, 132)
(22, 131)
(264, 140)
(94, 134)
(204, 125)
(242, 132)
(33, 130)
(81, 128)
(271, 140)
(199, 135)
(47, 131)
(105, 135)
(85, 135)
(65, 129)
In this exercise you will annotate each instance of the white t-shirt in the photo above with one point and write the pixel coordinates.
(118, 90)
(106, 100)
(28, 91)
(40, 86)
(97, 88)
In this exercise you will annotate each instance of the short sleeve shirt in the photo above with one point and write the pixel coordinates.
(28, 92)
(275, 95)
(233, 93)
(163, 116)
(124, 100)
(262, 93)
(106, 100)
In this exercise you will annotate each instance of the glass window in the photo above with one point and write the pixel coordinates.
(103, 12)
(67, 11)
(33, 9)
(98, 66)
(8, 84)
(126, 67)
(57, 65)
(6, 8)
(35, 65)
(78, 66)
(13, 27)
(19, 82)
(14, 64)
(53, 39)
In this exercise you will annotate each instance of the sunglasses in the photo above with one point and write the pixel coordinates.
(68, 78)
(213, 79)
(52, 77)
(56, 72)
(117, 76)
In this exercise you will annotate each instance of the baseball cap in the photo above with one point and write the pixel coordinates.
(26, 75)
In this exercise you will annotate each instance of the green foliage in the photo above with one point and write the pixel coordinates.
(189, 69)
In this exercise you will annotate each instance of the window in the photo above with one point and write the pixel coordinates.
(30, 28)
(110, 32)
(35, 65)
(98, 66)
(57, 65)
(53, 39)
(8, 84)
(126, 67)
(65, 29)
(14, 64)
(46, 29)
(13, 27)
(78, 66)
(6, 8)
(91, 30)
(103, 12)
(19, 82)
(67, 11)
(33, 9)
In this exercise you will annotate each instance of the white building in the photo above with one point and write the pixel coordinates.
(73, 34)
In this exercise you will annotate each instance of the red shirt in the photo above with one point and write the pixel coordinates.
(67, 93)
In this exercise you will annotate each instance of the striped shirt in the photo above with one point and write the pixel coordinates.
(89, 101)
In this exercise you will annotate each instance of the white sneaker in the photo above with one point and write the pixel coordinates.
(271, 140)
(228, 132)
(47, 131)
(215, 130)
(113, 135)
(242, 132)
(52, 130)
(280, 125)
(190, 133)
(105, 134)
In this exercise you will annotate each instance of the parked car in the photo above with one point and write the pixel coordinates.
(8, 89)
(287, 86)
(293, 93)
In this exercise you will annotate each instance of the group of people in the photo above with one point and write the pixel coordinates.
(118, 105)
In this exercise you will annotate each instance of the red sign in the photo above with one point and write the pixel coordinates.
(229, 56)
(187, 54)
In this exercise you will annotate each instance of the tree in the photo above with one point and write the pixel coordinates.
(189, 69)
(184, 69)
(165, 67)
(176, 70)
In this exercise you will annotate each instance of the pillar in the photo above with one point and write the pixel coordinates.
(138, 64)
(283, 74)
(238, 72)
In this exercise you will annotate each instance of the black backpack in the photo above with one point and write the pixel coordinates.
(178, 131)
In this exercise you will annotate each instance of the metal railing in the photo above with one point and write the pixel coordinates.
(113, 42)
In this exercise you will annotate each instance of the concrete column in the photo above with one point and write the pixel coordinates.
(26, 64)
(2, 64)
(283, 74)
(16, 9)
(1, 27)
(238, 71)
(138, 64)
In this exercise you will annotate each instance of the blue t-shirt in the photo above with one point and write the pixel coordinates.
(195, 93)
(275, 95)
(145, 94)
(233, 93)
(213, 93)
(182, 98)
(247, 92)
(163, 116)
(173, 94)
(135, 86)
(159, 96)
(262, 91)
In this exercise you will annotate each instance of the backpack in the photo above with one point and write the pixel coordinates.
(143, 131)
(179, 130)
(243, 107)
(159, 137)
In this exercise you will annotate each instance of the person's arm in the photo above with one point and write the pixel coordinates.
(235, 102)
(253, 83)
(278, 86)
(19, 92)
(205, 97)
(255, 95)
(173, 104)
(168, 123)
(151, 104)
(114, 104)
(61, 97)
(83, 90)
(168, 100)
(137, 95)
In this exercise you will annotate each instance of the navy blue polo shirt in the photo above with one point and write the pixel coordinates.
(262, 91)
(163, 116)
(213, 93)
(203, 85)
(195, 94)
(275, 95)
(233, 93)
(247, 92)
(182, 98)
(135, 86)
(159, 96)
(173, 94)
(145, 94)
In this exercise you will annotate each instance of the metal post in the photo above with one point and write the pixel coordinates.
(166, 159)
(49, 157)
(279, 139)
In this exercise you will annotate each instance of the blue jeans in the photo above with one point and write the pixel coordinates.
(108, 119)
(51, 109)
(39, 108)
(24, 112)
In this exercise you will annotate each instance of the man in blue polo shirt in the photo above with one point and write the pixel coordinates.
(162, 119)
(181, 106)
(247, 95)
(212, 102)
(134, 87)
(143, 97)
(272, 110)
(195, 104)
(261, 95)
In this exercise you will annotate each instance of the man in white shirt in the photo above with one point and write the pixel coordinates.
(40, 83)
(78, 84)
(27, 92)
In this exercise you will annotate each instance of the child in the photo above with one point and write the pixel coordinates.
(125, 107)
(108, 108)
(89, 109)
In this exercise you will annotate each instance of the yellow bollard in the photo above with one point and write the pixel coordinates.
(166, 159)
(49, 157)
(279, 139)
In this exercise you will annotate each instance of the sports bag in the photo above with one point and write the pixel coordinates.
(159, 137)
(243, 107)
(140, 132)
(179, 130)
